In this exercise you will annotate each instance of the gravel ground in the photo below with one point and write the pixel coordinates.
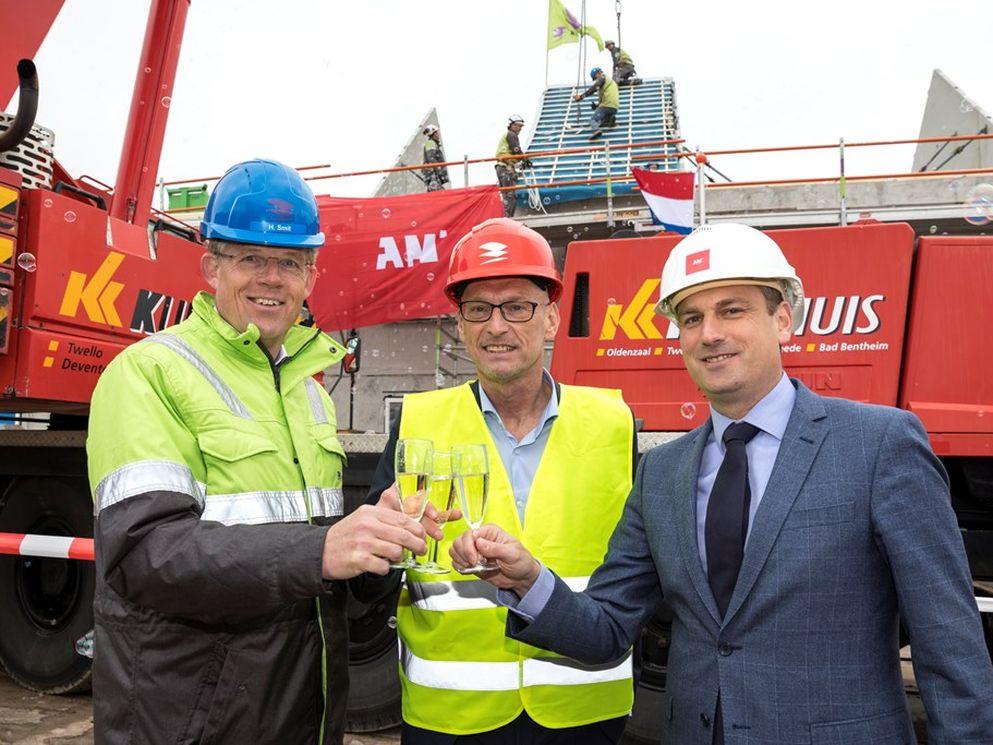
(28, 718)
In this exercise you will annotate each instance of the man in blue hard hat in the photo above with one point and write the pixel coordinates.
(221, 545)
(608, 99)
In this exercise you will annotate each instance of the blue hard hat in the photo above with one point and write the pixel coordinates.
(264, 203)
(594, 72)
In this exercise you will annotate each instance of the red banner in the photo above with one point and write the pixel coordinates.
(386, 258)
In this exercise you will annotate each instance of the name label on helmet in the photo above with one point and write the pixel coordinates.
(698, 262)
(267, 226)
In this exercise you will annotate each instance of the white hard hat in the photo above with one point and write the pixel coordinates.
(516, 119)
(430, 130)
(723, 255)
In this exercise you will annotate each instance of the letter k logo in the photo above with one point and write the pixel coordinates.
(97, 295)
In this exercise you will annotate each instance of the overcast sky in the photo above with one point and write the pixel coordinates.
(345, 83)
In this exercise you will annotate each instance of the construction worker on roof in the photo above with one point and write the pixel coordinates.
(221, 546)
(547, 443)
(434, 178)
(508, 168)
(623, 70)
(608, 99)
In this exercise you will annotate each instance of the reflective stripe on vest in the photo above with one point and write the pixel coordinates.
(316, 404)
(246, 508)
(145, 476)
(507, 676)
(261, 507)
(187, 352)
(470, 594)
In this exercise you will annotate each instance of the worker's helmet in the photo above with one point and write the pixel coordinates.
(501, 247)
(594, 72)
(723, 255)
(609, 43)
(430, 130)
(264, 203)
(516, 120)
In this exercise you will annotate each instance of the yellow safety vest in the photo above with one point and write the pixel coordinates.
(610, 95)
(460, 673)
(503, 150)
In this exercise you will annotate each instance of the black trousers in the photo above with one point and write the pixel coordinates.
(522, 731)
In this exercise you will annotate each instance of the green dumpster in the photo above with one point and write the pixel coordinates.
(186, 197)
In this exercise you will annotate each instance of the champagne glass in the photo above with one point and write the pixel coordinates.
(412, 466)
(471, 470)
(443, 496)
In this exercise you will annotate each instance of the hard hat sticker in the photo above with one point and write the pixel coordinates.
(493, 252)
(698, 262)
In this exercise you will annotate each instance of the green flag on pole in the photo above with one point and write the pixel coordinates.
(563, 28)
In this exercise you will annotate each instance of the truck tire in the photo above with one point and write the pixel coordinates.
(374, 678)
(46, 604)
(645, 724)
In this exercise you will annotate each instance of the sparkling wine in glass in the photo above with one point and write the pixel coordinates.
(412, 466)
(470, 467)
(442, 494)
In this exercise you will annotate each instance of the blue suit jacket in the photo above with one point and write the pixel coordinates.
(855, 526)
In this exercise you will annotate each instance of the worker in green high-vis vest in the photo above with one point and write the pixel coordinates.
(623, 71)
(221, 541)
(507, 167)
(608, 99)
(435, 179)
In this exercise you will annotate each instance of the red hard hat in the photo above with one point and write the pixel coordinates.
(501, 247)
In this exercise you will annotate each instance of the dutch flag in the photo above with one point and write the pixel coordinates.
(669, 197)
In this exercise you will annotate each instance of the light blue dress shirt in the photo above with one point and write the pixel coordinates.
(771, 415)
(521, 457)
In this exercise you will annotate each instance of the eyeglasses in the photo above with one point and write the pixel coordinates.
(513, 311)
(259, 265)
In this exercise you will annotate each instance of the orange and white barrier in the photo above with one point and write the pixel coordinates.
(48, 546)
(61, 547)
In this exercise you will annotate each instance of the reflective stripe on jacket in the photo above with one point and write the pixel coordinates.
(459, 672)
(207, 463)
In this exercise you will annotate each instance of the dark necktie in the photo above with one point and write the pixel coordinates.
(727, 514)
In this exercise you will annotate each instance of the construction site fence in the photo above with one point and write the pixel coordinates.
(699, 157)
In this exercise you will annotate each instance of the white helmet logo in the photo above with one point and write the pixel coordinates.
(493, 252)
